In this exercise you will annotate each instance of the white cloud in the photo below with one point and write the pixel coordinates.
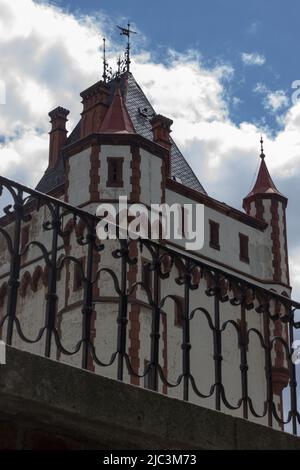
(194, 93)
(276, 100)
(273, 101)
(253, 28)
(260, 88)
(253, 58)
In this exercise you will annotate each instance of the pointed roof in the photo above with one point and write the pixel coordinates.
(135, 104)
(264, 184)
(117, 119)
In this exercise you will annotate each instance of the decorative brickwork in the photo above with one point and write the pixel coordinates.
(134, 313)
(275, 236)
(95, 173)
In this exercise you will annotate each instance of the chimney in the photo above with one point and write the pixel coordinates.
(161, 128)
(58, 133)
(95, 104)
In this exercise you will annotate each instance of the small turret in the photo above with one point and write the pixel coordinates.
(265, 202)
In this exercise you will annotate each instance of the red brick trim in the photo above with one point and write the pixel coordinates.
(135, 179)
(264, 196)
(259, 206)
(32, 205)
(95, 106)
(214, 204)
(77, 279)
(165, 349)
(134, 313)
(286, 247)
(115, 139)
(280, 379)
(214, 262)
(67, 182)
(95, 173)
(96, 294)
(165, 171)
(275, 236)
(32, 280)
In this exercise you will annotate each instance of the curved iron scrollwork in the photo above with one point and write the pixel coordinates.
(164, 270)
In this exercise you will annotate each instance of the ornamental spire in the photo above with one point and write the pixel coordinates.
(264, 184)
(104, 75)
(127, 32)
(262, 155)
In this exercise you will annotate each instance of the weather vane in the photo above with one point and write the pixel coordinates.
(127, 32)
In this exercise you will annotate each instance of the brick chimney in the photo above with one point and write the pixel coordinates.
(161, 128)
(95, 104)
(58, 133)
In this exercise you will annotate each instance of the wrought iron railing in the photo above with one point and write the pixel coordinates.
(166, 266)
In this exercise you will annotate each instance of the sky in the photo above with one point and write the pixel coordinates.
(222, 70)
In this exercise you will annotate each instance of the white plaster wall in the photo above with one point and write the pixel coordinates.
(79, 177)
(122, 151)
(150, 178)
(260, 265)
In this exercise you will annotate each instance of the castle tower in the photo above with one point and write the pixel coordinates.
(266, 203)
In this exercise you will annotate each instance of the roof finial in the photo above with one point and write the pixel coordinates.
(104, 75)
(107, 71)
(262, 155)
(119, 64)
(126, 32)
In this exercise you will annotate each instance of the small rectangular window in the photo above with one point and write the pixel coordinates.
(146, 273)
(179, 311)
(244, 248)
(24, 236)
(115, 172)
(147, 377)
(78, 275)
(214, 240)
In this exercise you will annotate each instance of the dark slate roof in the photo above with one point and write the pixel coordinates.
(140, 112)
(136, 101)
(52, 178)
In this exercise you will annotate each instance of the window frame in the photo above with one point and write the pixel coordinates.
(78, 285)
(146, 272)
(214, 225)
(179, 311)
(244, 248)
(112, 181)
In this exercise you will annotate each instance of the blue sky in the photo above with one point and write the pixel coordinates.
(221, 31)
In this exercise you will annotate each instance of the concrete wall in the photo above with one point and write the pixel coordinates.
(49, 405)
